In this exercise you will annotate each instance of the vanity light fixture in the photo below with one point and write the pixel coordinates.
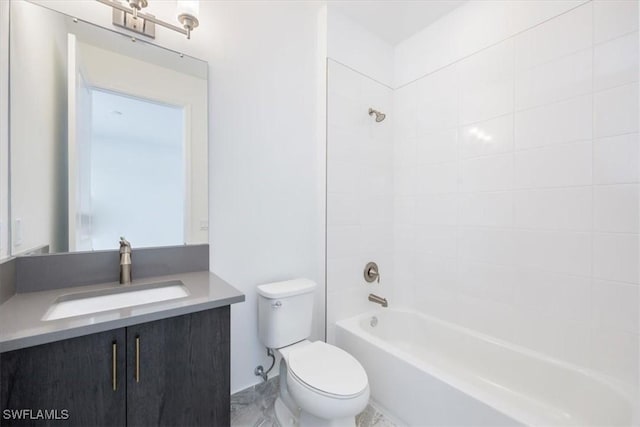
(128, 14)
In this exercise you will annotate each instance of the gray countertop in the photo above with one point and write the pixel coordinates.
(21, 323)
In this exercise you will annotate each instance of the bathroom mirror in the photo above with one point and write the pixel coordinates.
(108, 138)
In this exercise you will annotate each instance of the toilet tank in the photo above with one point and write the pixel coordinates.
(285, 312)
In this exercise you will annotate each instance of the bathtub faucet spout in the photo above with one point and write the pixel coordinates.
(378, 300)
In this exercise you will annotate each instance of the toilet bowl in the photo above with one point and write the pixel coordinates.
(321, 385)
(328, 386)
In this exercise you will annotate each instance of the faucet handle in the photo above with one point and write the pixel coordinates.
(371, 272)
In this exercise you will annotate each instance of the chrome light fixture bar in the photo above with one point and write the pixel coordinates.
(133, 19)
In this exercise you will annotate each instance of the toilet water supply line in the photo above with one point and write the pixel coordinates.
(259, 370)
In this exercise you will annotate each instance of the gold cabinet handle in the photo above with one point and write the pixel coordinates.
(114, 363)
(138, 359)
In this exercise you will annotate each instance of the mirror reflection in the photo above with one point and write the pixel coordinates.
(108, 138)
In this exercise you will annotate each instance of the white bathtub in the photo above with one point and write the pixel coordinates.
(427, 372)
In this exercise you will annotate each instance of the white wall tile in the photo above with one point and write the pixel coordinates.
(525, 14)
(488, 281)
(437, 147)
(616, 306)
(555, 81)
(616, 257)
(493, 136)
(486, 209)
(376, 209)
(343, 177)
(561, 339)
(437, 272)
(436, 209)
(616, 208)
(343, 81)
(485, 101)
(486, 84)
(554, 209)
(344, 145)
(404, 152)
(404, 209)
(374, 239)
(613, 18)
(404, 180)
(616, 111)
(491, 173)
(615, 159)
(351, 44)
(436, 239)
(436, 45)
(555, 166)
(438, 100)
(343, 241)
(564, 35)
(437, 178)
(554, 251)
(616, 62)
(479, 25)
(344, 273)
(347, 303)
(560, 295)
(484, 315)
(492, 246)
(345, 113)
(616, 354)
(491, 64)
(518, 225)
(565, 121)
(376, 176)
(343, 209)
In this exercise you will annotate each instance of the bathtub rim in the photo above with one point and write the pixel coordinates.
(352, 325)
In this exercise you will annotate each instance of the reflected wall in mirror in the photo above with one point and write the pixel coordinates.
(108, 138)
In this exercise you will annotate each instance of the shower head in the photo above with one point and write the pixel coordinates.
(379, 116)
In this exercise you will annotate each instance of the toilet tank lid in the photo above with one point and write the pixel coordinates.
(286, 288)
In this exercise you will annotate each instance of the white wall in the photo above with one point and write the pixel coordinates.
(38, 164)
(359, 168)
(350, 44)
(4, 129)
(266, 170)
(516, 176)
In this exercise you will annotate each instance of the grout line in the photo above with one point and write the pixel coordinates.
(360, 72)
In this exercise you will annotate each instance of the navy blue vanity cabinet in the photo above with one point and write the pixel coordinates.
(169, 372)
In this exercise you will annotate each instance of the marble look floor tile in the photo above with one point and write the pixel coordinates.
(253, 407)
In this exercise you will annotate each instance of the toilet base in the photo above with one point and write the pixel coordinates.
(284, 415)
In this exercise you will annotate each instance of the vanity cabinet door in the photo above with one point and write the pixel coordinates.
(74, 376)
(178, 371)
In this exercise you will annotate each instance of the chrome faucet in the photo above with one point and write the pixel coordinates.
(125, 261)
(378, 300)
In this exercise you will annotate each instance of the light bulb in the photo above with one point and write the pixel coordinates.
(188, 7)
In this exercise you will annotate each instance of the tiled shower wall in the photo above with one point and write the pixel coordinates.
(359, 192)
(516, 177)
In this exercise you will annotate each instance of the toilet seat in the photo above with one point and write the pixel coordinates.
(328, 370)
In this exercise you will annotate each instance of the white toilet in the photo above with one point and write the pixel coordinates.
(320, 384)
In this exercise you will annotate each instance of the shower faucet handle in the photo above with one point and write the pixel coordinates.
(371, 272)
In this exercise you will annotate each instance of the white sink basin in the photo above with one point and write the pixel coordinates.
(112, 299)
